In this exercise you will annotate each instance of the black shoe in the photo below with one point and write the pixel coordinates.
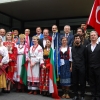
(97, 98)
(4, 91)
(8, 91)
(44, 93)
(75, 98)
(93, 98)
(82, 98)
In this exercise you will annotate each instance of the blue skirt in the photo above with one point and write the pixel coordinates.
(65, 74)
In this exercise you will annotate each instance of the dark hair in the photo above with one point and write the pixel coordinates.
(63, 38)
(3, 29)
(81, 29)
(77, 35)
(39, 27)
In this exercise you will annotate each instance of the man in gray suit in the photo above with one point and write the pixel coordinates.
(68, 35)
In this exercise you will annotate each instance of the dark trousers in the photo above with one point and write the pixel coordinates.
(94, 79)
(78, 76)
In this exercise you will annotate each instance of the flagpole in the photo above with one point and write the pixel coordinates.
(57, 58)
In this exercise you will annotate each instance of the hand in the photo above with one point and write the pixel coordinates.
(32, 64)
(44, 66)
(10, 59)
(70, 69)
(1, 65)
(28, 59)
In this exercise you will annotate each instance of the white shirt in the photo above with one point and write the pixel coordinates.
(94, 46)
(44, 43)
(38, 36)
(66, 35)
(64, 49)
(98, 39)
(3, 38)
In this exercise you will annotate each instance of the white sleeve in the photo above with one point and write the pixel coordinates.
(70, 54)
(39, 57)
(5, 59)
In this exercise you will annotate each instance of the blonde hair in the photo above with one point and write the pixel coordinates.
(22, 36)
(94, 32)
(10, 34)
(35, 37)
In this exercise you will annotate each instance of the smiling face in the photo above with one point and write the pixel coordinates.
(93, 36)
(2, 32)
(64, 41)
(15, 32)
(22, 40)
(45, 33)
(67, 29)
(48, 43)
(54, 29)
(35, 40)
(38, 30)
(9, 36)
(27, 31)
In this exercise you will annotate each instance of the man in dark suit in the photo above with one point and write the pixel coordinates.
(55, 36)
(68, 35)
(42, 41)
(93, 62)
(27, 33)
(55, 45)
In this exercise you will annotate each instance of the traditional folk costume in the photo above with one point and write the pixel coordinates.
(44, 72)
(18, 77)
(65, 74)
(12, 51)
(36, 54)
(4, 58)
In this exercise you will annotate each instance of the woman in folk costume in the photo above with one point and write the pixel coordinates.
(18, 78)
(65, 69)
(12, 51)
(44, 71)
(4, 59)
(36, 54)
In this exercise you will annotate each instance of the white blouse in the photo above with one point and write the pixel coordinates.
(64, 49)
(4, 53)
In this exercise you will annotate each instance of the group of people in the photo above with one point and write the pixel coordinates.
(25, 61)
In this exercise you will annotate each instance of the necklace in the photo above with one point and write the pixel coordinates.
(34, 47)
(20, 46)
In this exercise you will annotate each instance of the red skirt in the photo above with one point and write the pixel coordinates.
(44, 77)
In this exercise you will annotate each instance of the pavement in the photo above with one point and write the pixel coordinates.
(26, 96)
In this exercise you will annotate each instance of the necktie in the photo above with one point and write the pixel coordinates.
(54, 36)
(66, 35)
